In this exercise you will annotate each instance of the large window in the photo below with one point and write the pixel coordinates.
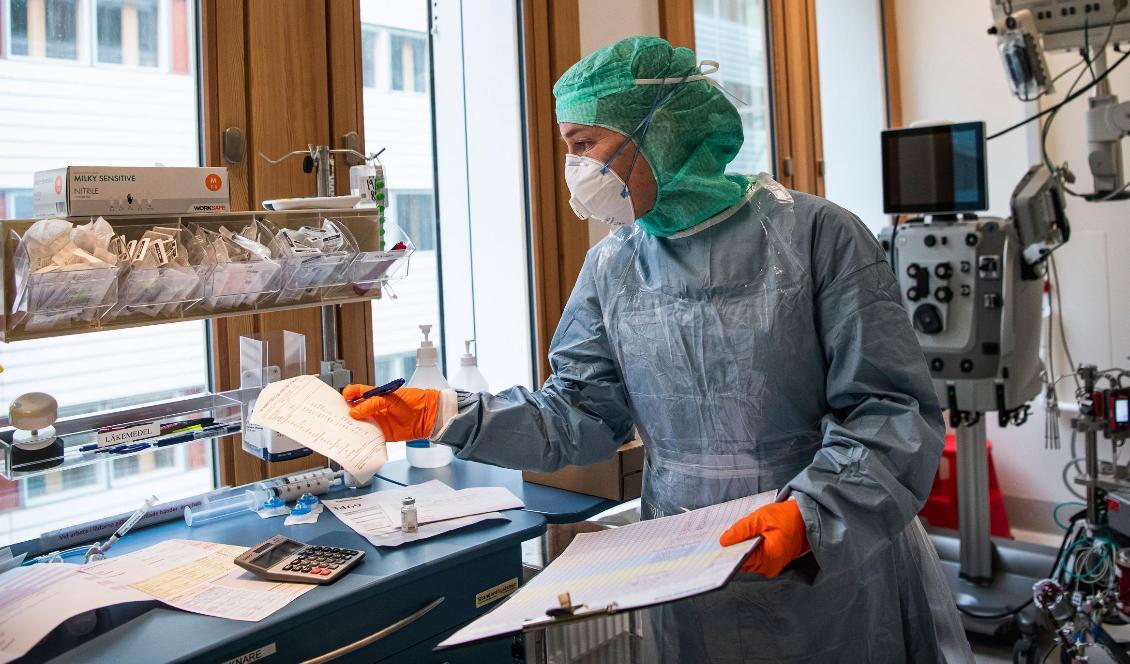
(441, 98)
(732, 33)
(146, 114)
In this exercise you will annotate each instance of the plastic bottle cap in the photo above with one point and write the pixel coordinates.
(468, 360)
(300, 509)
(427, 354)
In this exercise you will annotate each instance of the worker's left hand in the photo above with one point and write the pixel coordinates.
(781, 527)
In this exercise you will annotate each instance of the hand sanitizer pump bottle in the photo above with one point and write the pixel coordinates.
(469, 378)
(423, 453)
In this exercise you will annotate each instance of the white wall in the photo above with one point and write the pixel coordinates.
(950, 70)
(852, 110)
(604, 23)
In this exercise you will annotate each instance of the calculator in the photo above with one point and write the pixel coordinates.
(283, 559)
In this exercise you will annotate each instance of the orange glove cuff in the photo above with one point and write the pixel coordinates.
(783, 532)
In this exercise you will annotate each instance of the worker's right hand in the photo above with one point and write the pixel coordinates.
(407, 414)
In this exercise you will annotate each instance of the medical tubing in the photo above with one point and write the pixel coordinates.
(1055, 566)
(1069, 98)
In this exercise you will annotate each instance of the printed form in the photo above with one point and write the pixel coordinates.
(200, 577)
(634, 566)
(37, 598)
(439, 508)
(316, 415)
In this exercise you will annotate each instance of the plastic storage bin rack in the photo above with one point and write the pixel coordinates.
(58, 300)
(73, 433)
(164, 292)
(57, 303)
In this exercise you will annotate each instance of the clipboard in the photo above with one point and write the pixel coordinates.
(623, 569)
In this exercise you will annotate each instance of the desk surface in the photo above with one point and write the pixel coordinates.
(164, 634)
(556, 505)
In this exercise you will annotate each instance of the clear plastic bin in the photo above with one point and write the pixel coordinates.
(233, 285)
(60, 299)
(309, 277)
(166, 290)
(241, 282)
(372, 268)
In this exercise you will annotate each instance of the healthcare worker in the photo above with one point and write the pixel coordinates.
(754, 338)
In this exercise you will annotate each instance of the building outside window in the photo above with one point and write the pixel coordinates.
(407, 56)
(127, 32)
(370, 58)
(415, 213)
(44, 29)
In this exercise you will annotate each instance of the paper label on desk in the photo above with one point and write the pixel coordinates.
(316, 416)
(633, 566)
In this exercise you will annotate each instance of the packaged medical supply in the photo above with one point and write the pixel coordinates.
(313, 258)
(164, 268)
(90, 190)
(245, 270)
(64, 273)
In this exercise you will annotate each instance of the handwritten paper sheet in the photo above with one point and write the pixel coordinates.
(638, 565)
(37, 598)
(315, 415)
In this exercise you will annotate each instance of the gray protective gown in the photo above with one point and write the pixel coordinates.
(765, 351)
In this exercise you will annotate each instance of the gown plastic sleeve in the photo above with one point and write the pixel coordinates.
(884, 435)
(580, 416)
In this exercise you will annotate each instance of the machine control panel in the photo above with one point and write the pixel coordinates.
(958, 280)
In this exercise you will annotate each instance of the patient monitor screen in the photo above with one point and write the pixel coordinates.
(935, 169)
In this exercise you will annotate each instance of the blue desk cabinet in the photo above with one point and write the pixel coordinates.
(387, 586)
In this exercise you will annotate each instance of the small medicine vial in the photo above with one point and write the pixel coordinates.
(408, 523)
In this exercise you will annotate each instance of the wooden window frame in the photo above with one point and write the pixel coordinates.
(280, 95)
(552, 45)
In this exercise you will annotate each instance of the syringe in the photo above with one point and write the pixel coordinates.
(97, 552)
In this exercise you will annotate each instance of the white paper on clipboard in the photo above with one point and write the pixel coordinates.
(316, 416)
(630, 567)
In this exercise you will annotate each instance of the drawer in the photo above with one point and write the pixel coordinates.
(495, 651)
(370, 614)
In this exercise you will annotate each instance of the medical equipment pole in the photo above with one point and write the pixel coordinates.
(973, 502)
(1089, 374)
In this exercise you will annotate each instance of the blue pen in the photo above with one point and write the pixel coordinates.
(130, 448)
(387, 388)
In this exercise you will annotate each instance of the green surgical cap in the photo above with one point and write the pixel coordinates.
(690, 140)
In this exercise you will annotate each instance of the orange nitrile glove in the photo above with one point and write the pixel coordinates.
(408, 413)
(781, 527)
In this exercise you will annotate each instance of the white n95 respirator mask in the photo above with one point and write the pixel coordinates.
(597, 193)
